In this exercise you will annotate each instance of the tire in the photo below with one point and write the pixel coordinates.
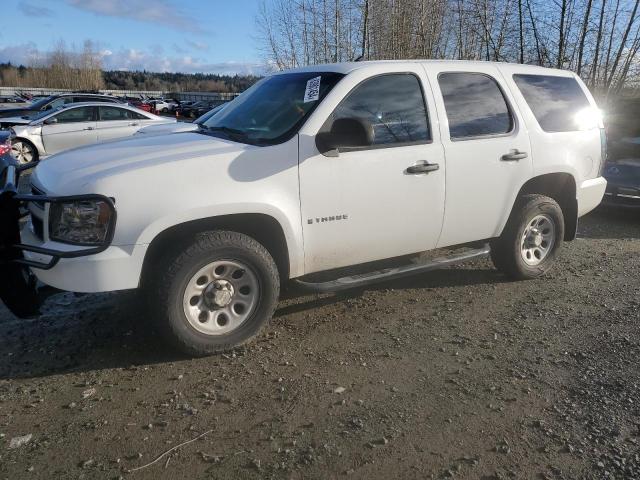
(165, 110)
(23, 151)
(189, 294)
(531, 240)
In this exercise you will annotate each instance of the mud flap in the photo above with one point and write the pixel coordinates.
(18, 286)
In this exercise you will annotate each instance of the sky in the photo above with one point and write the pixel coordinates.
(209, 36)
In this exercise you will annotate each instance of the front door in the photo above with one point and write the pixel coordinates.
(116, 122)
(487, 149)
(381, 201)
(70, 128)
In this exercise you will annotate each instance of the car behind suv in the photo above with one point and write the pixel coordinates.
(49, 103)
(318, 175)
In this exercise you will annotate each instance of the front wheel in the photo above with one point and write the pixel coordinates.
(216, 294)
(530, 242)
(23, 151)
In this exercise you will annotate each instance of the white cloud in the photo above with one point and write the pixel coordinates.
(202, 46)
(134, 59)
(21, 54)
(152, 60)
(32, 10)
(150, 11)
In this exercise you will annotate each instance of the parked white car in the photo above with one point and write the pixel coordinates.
(74, 125)
(317, 170)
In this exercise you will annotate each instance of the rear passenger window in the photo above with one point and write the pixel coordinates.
(556, 102)
(475, 105)
(114, 113)
(393, 104)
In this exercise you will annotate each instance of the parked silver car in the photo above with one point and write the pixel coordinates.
(74, 125)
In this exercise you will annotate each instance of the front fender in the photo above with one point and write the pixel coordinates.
(288, 221)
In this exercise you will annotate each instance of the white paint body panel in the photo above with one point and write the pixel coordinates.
(389, 212)
(160, 181)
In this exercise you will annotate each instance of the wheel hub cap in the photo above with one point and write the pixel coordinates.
(221, 296)
(538, 239)
(534, 239)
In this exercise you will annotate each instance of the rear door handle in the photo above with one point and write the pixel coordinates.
(422, 168)
(134, 124)
(89, 128)
(514, 156)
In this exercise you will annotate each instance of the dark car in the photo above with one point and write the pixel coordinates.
(622, 172)
(50, 103)
(190, 109)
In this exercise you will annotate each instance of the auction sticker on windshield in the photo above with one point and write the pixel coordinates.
(312, 92)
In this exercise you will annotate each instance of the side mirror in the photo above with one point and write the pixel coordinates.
(345, 133)
(51, 121)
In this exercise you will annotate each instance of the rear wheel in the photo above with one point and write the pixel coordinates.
(216, 294)
(531, 239)
(23, 151)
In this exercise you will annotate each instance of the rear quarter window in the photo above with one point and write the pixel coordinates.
(558, 103)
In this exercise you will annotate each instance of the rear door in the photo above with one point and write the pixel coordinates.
(117, 122)
(486, 146)
(70, 128)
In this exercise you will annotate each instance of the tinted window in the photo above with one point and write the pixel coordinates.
(58, 102)
(556, 102)
(73, 115)
(475, 105)
(393, 104)
(115, 113)
(273, 109)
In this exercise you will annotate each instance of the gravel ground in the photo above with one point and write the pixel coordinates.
(452, 374)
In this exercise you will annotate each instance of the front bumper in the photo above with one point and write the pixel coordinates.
(114, 268)
(20, 254)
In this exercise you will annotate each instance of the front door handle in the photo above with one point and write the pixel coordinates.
(134, 124)
(89, 128)
(422, 168)
(514, 156)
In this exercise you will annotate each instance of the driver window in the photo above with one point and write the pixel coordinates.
(393, 104)
(75, 115)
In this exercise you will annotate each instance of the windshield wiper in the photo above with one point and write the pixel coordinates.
(228, 130)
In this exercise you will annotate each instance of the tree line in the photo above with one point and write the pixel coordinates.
(598, 39)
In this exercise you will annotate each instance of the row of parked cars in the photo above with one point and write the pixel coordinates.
(65, 121)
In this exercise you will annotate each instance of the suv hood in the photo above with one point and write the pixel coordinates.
(82, 170)
(174, 127)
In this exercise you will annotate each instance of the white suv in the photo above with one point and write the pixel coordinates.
(314, 170)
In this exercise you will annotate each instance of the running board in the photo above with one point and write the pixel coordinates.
(365, 279)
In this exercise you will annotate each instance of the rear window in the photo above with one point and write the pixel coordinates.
(558, 103)
(475, 105)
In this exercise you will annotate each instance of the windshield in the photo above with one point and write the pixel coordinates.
(273, 109)
(39, 115)
(40, 103)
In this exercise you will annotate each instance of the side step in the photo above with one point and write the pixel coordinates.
(365, 279)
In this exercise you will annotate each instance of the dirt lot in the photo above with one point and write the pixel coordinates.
(456, 373)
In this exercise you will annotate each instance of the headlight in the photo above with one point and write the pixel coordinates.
(82, 222)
